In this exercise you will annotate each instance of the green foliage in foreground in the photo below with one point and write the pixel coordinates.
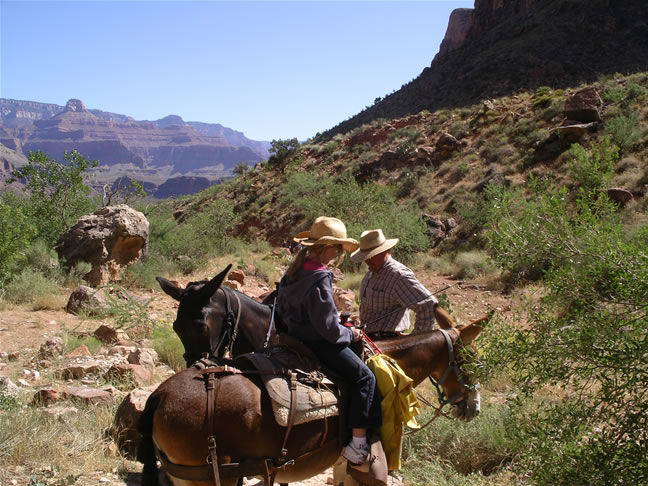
(586, 338)
(449, 452)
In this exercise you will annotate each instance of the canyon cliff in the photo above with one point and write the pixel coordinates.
(502, 46)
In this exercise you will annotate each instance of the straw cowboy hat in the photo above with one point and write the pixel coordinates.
(372, 242)
(327, 231)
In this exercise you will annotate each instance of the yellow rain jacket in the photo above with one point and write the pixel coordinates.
(399, 405)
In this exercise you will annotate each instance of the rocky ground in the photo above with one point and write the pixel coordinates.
(33, 362)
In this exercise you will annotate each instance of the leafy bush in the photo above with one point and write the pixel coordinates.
(189, 244)
(593, 171)
(624, 130)
(169, 348)
(16, 233)
(368, 207)
(32, 287)
(58, 192)
(282, 150)
(43, 259)
(585, 337)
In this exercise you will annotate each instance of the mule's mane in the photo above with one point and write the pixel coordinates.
(405, 342)
(240, 294)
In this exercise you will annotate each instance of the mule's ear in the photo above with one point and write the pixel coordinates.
(443, 318)
(170, 288)
(470, 333)
(214, 284)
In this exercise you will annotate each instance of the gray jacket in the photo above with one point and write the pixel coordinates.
(306, 306)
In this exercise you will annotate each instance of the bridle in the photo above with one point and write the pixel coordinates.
(230, 330)
(453, 367)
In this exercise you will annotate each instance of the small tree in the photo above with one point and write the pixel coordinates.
(241, 168)
(58, 191)
(282, 150)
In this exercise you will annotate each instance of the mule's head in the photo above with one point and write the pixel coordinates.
(199, 324)
(459, 390)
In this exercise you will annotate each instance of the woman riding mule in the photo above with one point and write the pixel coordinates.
(246, 437)
(305, 304)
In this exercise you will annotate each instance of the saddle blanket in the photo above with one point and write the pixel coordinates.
(317, 397)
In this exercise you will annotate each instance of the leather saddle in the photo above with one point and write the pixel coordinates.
(317, 392)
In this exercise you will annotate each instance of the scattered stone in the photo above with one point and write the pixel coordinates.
(45, 396)
(8, 387)
(343, 299)
(446, 145)
(619, 195)
(52, 348)
(79, 352)
(124, 428)
(87, 299)
(121, 350)
(576, 131)
(109, 335)
(237, 275)
(126, 371)
(80, 369)
(145, 357)
(232, 284)
(91, 396)
(60, 411)
(22, 382)
(584, 106)
(15, 356)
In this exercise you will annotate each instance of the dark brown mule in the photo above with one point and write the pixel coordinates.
(174, 418)
(212, 318)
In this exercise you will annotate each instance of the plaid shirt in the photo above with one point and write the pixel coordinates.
(388, 293)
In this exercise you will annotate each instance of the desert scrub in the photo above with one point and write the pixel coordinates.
(71, 341)
(34, 289)
(169, 348)
(74, 443)
(450, 452)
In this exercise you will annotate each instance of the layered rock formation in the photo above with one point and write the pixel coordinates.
(502, 46)
(151, 152)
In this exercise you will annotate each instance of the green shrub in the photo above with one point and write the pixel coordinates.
(624, 130)
(71, 342)
(471, 264)
(593, 170)
(169, 348)
(408, 134)
(58, 192)
(41, 258)
(31, 287)
(16, 233)
(584, 337)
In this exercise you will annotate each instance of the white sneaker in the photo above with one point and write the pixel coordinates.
(354, 454)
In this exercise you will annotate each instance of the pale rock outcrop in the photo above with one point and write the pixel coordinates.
(109, 239)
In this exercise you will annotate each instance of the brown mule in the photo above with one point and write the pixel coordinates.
(245, 431)
(210, 321)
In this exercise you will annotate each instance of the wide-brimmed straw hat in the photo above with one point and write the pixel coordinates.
(327, 231)
(372, 242)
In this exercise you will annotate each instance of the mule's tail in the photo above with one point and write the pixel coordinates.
(146, 449)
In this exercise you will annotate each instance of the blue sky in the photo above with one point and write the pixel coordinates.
(272, 70)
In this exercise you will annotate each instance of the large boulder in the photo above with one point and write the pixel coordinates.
(584, 106)
(109, 239)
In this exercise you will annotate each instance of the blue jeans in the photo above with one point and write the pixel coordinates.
(364, 407)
